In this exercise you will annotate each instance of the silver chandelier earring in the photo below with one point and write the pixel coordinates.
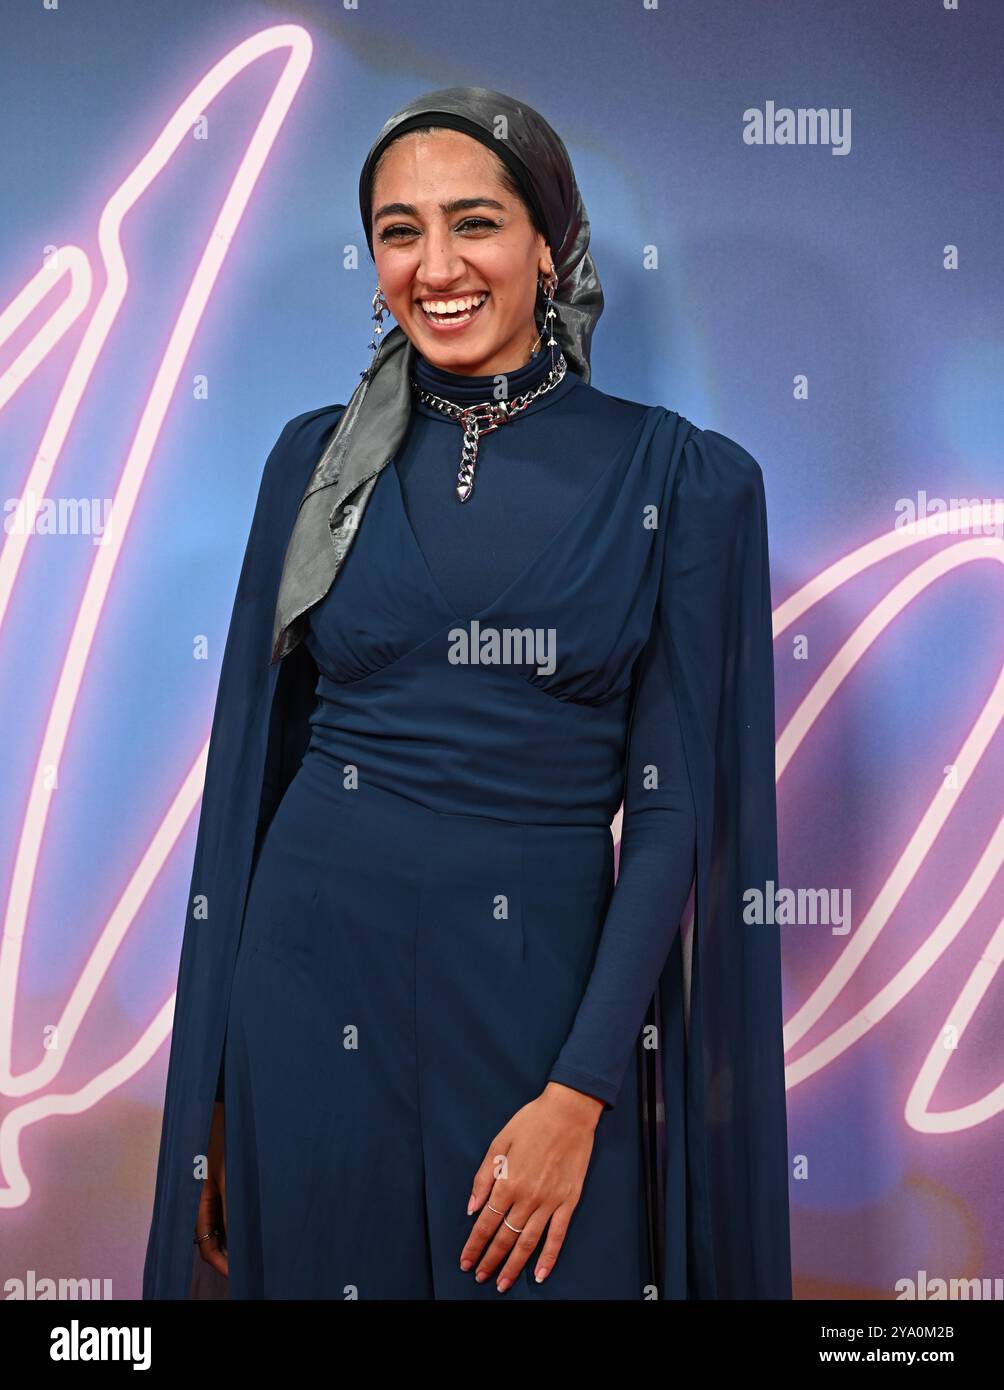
(549, 286)
(380, 307)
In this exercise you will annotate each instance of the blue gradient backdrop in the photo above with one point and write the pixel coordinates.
(774, 263)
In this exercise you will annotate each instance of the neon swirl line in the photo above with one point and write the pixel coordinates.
(73, 261)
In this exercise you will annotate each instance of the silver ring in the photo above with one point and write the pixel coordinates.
(517, 1229)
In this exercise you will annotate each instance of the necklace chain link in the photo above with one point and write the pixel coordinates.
(485, 416)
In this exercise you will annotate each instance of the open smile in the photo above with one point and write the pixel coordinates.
(454, 312)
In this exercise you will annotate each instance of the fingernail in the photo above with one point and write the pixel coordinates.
(471, 1204)
(503, 1284)
(466, 1264)
(541, 1273)
(481, 1275)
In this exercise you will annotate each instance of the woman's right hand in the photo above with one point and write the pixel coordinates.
(213, 1201)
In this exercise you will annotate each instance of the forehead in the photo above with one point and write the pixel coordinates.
(436, 160)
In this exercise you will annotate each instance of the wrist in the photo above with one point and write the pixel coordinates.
(578, 1103)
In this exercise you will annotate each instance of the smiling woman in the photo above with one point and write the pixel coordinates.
(420, 988)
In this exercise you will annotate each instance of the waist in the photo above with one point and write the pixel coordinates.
(360, 815)
(530, 759)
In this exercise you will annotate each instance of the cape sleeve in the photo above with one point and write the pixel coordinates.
(700, 812)
(293, 698)
(716, 1121)
(259, 731)
(244, 600)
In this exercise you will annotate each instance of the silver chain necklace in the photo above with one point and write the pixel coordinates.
(484, 417)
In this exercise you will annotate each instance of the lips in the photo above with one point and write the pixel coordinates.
(448, 313)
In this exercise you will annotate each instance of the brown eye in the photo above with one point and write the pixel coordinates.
(396, 233)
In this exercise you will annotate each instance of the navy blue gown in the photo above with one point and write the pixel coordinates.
(485, 699)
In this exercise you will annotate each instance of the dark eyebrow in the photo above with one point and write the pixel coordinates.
(457, 205)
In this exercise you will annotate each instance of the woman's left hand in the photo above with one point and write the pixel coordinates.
(532, 1173)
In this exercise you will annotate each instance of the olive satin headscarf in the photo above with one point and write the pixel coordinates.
(375, 420)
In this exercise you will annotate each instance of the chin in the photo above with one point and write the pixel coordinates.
(454, 357)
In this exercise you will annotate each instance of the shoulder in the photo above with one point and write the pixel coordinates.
(589, 401)
(712, 487)
(719, 454)
(304, 430)
(299, 446)
(619, 427)
(711, 465)
(690, 453)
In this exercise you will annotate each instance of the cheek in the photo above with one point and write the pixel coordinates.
(513, 288)
(395, 278)
(510, 300)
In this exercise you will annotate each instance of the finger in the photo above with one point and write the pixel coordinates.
(484, 1228)
(526, 1243)
(224, 1265)
(556, 1232)
(519, 1211)
(483, 1178)
(208, 1220)
(214, 1255)
(493, 1166)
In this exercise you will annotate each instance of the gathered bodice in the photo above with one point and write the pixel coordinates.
(490, 644)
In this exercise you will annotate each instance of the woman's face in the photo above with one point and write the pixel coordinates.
(445, 228)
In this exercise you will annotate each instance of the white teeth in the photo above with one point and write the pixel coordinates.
(453, 306)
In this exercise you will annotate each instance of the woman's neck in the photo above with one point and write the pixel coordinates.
(457, 386)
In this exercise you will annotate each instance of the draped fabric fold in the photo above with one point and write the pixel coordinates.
(259, 734)
(715, 1113)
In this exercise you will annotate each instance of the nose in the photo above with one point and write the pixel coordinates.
(441, 263)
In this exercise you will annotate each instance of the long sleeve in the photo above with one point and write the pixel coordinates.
(656, 870)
